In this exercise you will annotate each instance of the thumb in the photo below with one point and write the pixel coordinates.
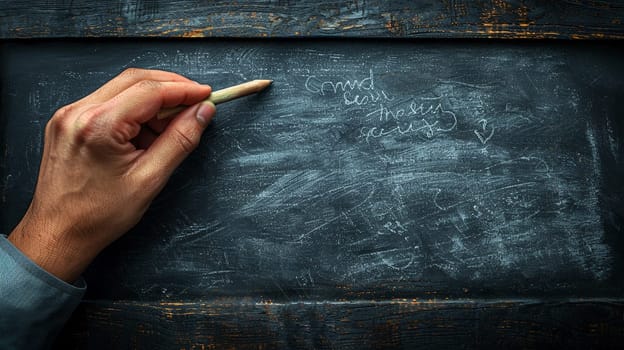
(177, 141)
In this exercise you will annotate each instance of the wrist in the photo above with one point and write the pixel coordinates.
(51, 248)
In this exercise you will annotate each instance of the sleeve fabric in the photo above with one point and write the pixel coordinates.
(34, 304)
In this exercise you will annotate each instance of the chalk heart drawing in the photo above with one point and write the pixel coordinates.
(481, 135)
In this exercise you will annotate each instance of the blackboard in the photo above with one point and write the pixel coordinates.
(378, 174)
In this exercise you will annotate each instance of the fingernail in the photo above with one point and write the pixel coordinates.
(205, 112)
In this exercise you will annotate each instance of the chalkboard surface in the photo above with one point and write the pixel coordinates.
(369, 170)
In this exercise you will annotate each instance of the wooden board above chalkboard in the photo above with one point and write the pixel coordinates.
(579, 19)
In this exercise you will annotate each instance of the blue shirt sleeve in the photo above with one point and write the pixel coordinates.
(34, 304)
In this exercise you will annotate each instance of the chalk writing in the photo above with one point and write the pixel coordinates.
(372, 97)
(423, 116)
(315, 85)
(404, 121)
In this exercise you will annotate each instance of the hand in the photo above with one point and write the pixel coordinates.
(105, 158)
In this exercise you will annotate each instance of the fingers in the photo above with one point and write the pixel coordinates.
(177, 141)
(124, 109)
(139, 103)
(126, 79)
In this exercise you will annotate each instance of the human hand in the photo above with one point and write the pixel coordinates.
(104, 160)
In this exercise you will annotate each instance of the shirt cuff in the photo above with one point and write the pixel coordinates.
(34, 304)
(76, 289)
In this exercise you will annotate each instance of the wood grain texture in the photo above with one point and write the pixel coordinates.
(396, 324)
(299, 223)
(578, 19)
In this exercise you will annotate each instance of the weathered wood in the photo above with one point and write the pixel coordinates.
(297, 210)
(406, 324)
(579, 19)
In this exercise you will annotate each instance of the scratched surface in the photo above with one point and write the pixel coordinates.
(369, 171)
(375, 170)
(534, 19)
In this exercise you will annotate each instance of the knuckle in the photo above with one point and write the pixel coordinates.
(132, 72)
(149, 85)
(59, 123)
(187, 143)
(88, 117)
(86, 125)
(56, 126)
(64, 111)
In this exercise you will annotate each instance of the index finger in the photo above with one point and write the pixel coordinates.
(126, 79)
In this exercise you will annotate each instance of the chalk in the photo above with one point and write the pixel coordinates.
(223, 95)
